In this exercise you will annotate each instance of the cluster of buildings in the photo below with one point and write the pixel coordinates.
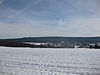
(63, 44)
(72, 45)
(59, 45)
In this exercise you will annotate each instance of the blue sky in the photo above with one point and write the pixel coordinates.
(32, 18)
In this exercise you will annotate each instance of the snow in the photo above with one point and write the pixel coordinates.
(34, 43)
(47, 61)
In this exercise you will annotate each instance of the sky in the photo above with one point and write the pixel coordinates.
(36, 18)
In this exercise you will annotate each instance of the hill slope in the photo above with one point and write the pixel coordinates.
(57, 39)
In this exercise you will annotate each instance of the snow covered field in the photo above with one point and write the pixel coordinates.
(40, 61)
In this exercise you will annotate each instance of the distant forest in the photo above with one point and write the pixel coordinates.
(53, 42)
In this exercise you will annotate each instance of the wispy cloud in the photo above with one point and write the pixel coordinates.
(1, 1)
(27, 7)
(60, 22)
